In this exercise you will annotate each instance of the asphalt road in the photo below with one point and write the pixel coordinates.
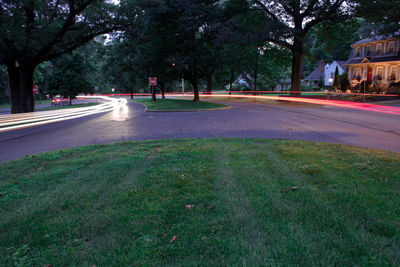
(325, 124)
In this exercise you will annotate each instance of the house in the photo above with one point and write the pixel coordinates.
(375, 60)
(315, 76)
(329, 73)
(283, 85)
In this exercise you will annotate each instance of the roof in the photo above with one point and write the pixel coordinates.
(316, 75)
(342, 64)
(373, 59)
(378, 38)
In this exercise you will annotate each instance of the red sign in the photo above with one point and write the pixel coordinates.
(35, 89)
(152, 81)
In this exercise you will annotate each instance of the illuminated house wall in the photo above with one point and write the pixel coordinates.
(375, 60)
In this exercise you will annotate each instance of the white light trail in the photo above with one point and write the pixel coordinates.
(24, 120)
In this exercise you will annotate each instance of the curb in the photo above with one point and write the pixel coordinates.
(184, 110)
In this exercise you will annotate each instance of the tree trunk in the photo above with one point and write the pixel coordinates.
(162, 88)
(231, 82)
(21, 81)
(255, 75)
(195, 83)
(209, 82)
(297, 61)
(131, 93)
(70, 101)
(153, 93)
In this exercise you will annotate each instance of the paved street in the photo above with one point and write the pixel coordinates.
(326, 124)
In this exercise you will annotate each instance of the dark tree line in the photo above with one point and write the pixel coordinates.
(209, 43)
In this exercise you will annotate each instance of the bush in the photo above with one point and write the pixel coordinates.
(343, 83)
(307, 88)
(394, 88)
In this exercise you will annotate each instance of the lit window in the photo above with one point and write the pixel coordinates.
(358, 51)
(368, 51)
(379, 49)
(379, 73)
(391, 47)
(356, 74)
(393, 73)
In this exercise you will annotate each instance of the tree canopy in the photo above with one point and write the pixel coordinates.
(34, 31)
(210, 43)
(289, 21)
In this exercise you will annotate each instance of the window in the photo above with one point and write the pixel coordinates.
(391, 47)
(379, 49)
(358, 54)
(393, 73)
(332, 74)
(357, 74)
(379, 73)
(368, 50)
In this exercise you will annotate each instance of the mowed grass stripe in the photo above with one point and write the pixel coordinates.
(178, 105)
(121, 204)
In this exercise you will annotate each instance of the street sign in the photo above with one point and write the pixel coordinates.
(35, 89)
(152, 81)
(96, 88)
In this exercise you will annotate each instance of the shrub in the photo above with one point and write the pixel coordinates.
(343, 82)
(307, 88)
(394, 88)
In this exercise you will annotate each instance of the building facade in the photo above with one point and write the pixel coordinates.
(315, 77)
(329, 74)
(375, 60)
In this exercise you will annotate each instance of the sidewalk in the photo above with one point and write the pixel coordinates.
(393, 103)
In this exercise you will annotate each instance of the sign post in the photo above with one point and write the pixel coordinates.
(35, 89)
(152, 83)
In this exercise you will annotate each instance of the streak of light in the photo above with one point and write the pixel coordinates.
(24, 120)
(335, 103)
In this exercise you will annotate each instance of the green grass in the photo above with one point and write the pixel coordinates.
(64, 107)
(268, 102)
(121, 204)
(177, 104)
(5, 105)
(37, 102)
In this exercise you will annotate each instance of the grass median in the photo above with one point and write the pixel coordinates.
(202, 202)
(178, 105)
(68, 106)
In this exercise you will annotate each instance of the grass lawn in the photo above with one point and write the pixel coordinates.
(37, 102)
(64, 107)
(255, 202)
(177, 104)
(267, 102)
(5, 105)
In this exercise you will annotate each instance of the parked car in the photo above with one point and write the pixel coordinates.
(59, 101)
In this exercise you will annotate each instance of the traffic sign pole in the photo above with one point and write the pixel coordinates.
(152, 83)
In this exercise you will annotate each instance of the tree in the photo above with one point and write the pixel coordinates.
(384, 13)
(4, 89)
(291, 20)
(331, 41)
(336, 79)
(194, 38)
(34, 31)
(71, 75)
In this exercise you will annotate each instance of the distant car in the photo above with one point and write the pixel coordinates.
(59, 101)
